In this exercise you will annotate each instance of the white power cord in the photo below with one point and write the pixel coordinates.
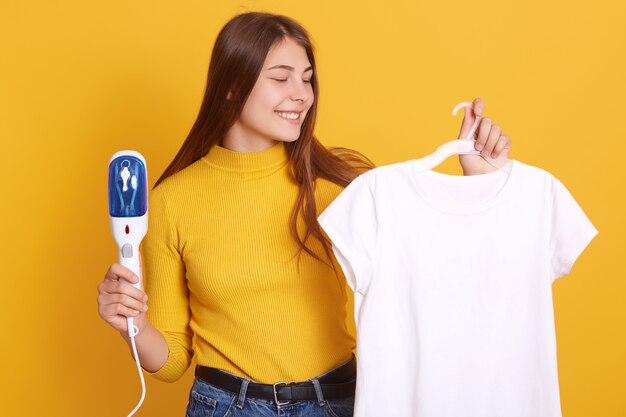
(132, 332)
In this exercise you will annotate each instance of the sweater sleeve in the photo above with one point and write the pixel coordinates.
(166, 286)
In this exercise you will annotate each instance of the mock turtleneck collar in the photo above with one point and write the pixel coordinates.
(253, 162)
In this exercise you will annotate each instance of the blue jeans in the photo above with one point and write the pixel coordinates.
(206, 400)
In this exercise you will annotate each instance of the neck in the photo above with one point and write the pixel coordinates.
(238, 142)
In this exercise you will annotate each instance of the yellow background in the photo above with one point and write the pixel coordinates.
(81, 80)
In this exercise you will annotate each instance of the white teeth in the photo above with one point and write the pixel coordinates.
(290, 116)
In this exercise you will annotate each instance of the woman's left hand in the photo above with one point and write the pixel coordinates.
(490, 141)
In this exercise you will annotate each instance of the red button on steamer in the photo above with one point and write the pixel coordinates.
(127, 229)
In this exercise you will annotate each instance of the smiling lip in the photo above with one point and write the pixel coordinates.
(289, 116)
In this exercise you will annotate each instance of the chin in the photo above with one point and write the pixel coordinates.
(287, 138)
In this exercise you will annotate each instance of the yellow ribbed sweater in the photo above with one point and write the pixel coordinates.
(221, 276)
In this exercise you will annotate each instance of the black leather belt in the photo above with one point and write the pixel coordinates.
(339, 382)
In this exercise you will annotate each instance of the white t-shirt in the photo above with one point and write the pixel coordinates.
(453, 288)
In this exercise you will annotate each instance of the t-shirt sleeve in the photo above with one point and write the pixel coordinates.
(165, 284)
(351, 224)
(571, 230)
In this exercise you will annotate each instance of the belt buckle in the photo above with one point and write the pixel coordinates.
(278, 403)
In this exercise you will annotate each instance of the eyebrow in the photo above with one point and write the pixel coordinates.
(288, 68)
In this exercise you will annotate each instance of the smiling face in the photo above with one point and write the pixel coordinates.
(278, 103)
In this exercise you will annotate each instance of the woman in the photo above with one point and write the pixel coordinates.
(237, 269)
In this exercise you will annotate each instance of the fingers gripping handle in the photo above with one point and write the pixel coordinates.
(129, 257)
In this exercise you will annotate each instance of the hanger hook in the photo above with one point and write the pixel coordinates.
(463, 104)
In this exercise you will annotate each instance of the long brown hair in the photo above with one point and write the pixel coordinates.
(238, 56)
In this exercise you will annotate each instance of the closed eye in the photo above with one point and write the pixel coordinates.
(282, 80)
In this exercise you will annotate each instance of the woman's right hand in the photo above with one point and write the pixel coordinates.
(118, 300)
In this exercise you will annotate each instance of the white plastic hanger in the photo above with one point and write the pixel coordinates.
(462, 146)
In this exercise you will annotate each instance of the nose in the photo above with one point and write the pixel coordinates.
(301, 92)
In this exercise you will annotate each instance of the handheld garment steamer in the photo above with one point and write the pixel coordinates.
(128, 208)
